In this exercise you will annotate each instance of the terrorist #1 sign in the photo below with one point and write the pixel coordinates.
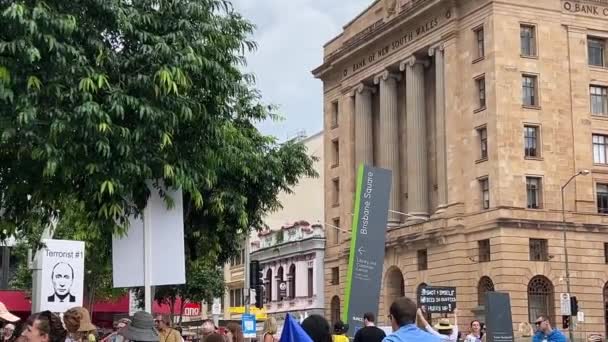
(62, 275)
(435, 299)
(367, 245)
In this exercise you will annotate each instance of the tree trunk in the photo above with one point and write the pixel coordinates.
(181, 311)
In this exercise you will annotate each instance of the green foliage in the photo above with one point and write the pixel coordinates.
(97, 96)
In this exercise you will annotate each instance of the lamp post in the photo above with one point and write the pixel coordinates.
(565, 240)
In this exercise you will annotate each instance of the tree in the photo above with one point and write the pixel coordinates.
(97, 96)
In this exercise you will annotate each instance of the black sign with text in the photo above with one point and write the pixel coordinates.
(434, 299)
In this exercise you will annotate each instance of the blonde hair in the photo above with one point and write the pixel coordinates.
(270, 326)
(525, 329)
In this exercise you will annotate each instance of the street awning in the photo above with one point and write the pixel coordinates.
(16, 301)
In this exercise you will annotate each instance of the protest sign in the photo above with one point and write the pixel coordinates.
(62, 275)
(435, 299)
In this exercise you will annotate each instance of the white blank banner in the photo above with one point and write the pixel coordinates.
(167, 243)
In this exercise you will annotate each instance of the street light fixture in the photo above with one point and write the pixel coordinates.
(565, 240)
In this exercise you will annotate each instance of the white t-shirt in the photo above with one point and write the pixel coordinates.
(472, 338)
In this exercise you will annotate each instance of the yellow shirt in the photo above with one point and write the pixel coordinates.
(169, 335)
(340, 338)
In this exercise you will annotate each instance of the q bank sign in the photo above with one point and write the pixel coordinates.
(585, 8)
(367, 245)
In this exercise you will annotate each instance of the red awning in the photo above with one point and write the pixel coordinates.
(16, 301)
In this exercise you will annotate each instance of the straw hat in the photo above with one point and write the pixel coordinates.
(444, 324)
(78, 319)
(141, 328)
(7, 316)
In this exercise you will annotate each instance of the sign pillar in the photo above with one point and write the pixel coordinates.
(367, 245)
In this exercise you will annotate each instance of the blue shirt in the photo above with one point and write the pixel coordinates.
(554, 336)
(409, 333)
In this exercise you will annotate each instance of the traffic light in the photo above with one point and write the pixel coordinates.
(573, 306)
(565, 322)
(256, 282)
(255, 274)
(259, 297)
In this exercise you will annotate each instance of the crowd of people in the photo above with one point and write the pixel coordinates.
(408, 323)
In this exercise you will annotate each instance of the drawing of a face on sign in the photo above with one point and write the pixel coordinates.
(62, 278)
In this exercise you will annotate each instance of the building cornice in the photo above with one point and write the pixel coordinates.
(370, 34)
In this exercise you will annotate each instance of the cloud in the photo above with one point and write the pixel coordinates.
(290, 36)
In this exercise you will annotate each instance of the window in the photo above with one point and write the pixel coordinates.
(481, 91)
(531, 142)
(335, 310)
(541, 298)
(530, 90)
(334, 114)
(310, 282)
(599, 100)
(528, 40)
(335, 275)
(605, 253)
(539, 250)
(533, 189)
(239, 259)
(279, 280)
(236, 297)
(479, 42)
(268, 286)
(335, 153)
(483, 142)
(596, 48)
(336, 231)
(484, 185)
(291, 277)
(484, 250)
(336, 192)
(600, 144)
(602, 198)
(484, 286)
(422, 260)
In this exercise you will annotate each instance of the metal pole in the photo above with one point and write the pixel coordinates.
(565, 240)
(247, 271)
(147, 262)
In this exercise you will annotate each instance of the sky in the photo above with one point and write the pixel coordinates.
(290, 35)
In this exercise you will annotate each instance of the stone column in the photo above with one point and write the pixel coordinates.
(364, 142)
(442, 184)
(417, 156)
(389, 138)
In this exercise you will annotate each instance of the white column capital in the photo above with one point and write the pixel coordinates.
(411, 61)
(362, 88)
(386, 75)
(436, 47)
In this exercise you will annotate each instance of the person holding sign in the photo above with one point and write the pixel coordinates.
(443, 329)
(403, 318)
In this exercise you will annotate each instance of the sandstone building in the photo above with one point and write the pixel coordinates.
(483, 110)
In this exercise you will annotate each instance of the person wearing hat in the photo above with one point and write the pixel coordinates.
(77, 321)
(141, 329)
(443, 329)
(340, 330)
(5, 315)
(114, 336)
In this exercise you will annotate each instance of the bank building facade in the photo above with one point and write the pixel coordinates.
(484, 110)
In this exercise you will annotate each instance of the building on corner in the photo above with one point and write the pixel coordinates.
(483, 110)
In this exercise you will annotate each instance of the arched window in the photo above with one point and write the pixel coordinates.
(485, 285)
(394, 285)
(268, 286)
(291, 276)
(335, 309)
(541, 299)
(606, 308)
(279, 281)
(418, 291)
